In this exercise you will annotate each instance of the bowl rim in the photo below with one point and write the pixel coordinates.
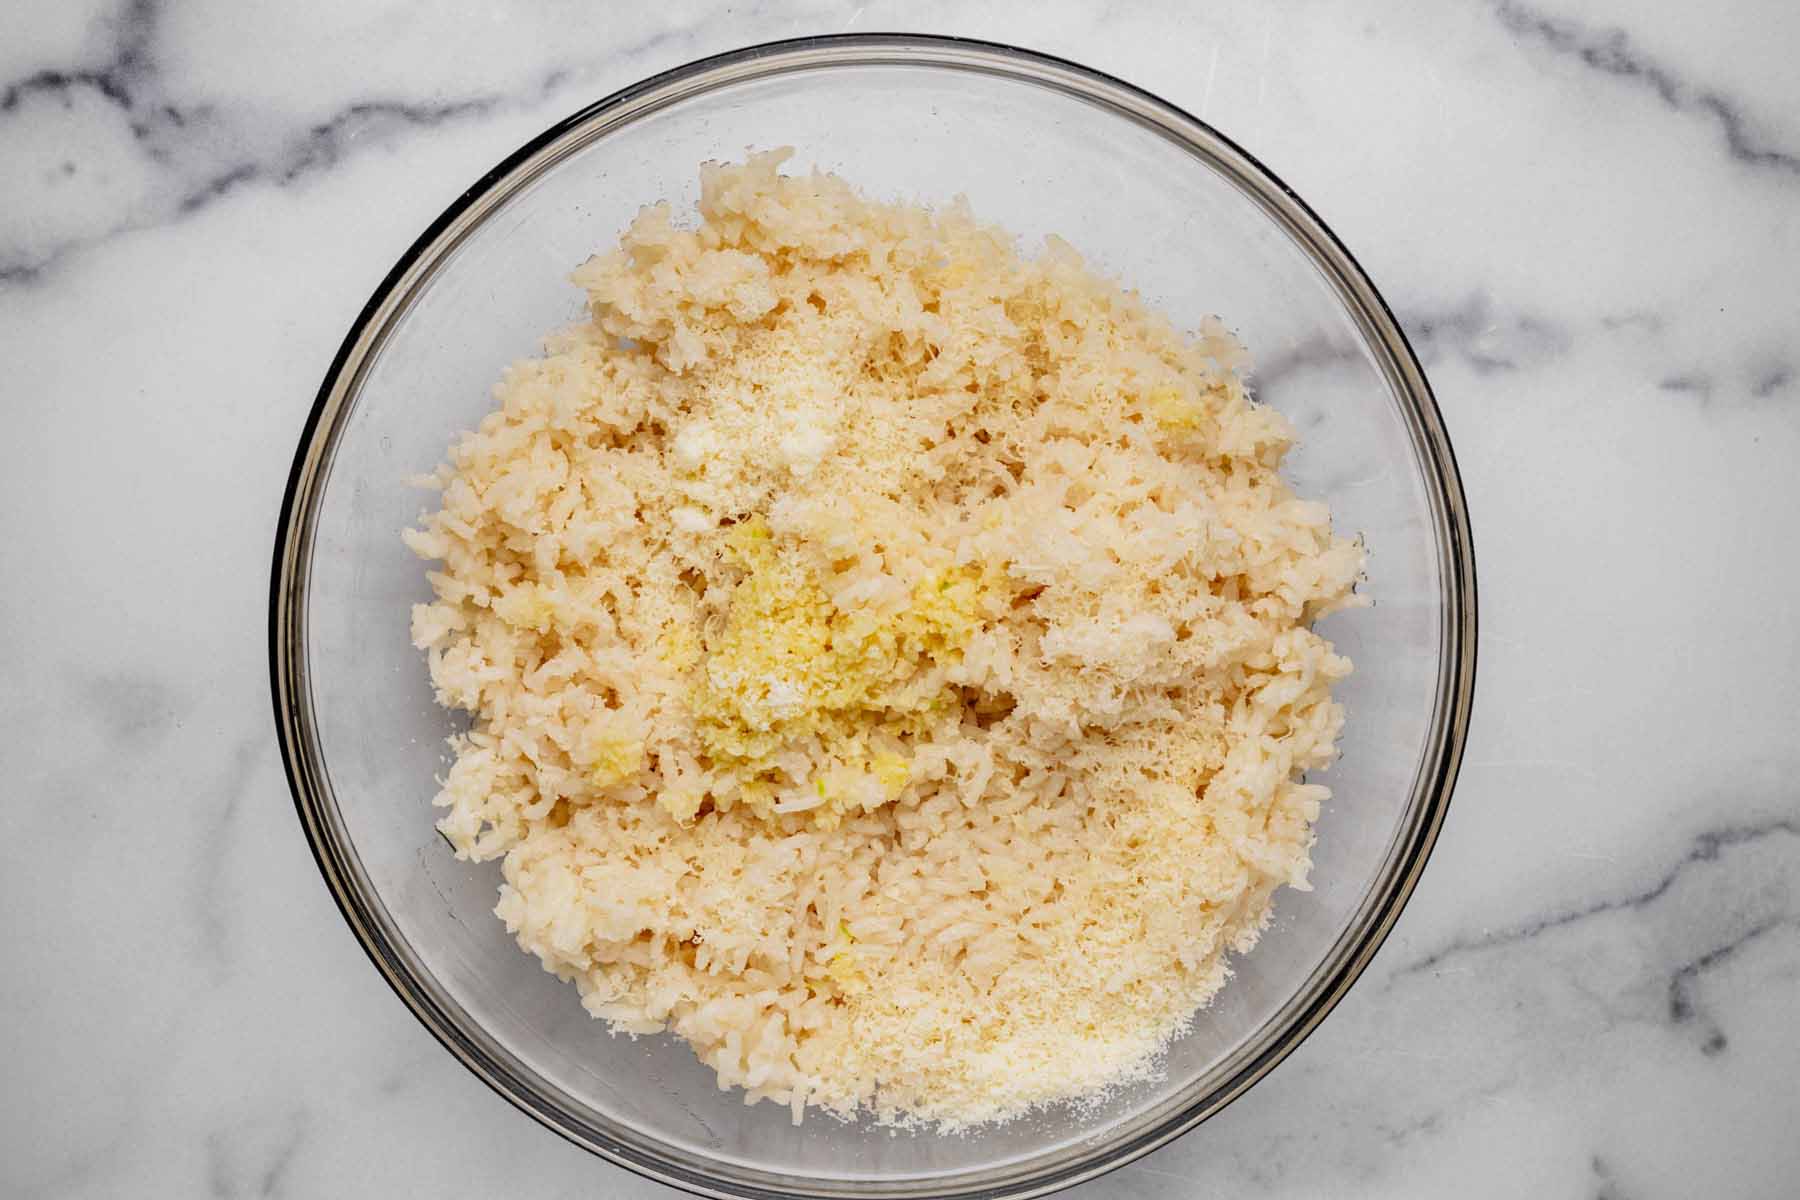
(1457, 635)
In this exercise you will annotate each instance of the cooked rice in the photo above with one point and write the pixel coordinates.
(890, 656)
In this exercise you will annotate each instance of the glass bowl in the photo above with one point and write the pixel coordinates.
(1152, 197)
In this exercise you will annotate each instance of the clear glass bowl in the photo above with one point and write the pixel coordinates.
(1152, 197)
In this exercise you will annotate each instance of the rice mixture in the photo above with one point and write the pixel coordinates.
(889, 655)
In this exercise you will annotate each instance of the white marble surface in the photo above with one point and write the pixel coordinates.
(1588, 216)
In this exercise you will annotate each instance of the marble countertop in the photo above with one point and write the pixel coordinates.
(1587, 216)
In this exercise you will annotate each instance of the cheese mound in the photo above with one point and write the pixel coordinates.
(890, 656)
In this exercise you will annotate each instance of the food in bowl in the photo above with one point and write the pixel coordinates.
(890, 656)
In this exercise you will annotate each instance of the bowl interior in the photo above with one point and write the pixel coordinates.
(1182, 228)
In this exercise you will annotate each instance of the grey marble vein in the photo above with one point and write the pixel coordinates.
(1692, 383)
(325, 143)
(1487, 338)
(206, 153)
(1772, 380)
(1606, 1184)
(214, 165)
(121, 78)
(1682, 1006)
(1638, 319)
(1705, 848)
(254, 1162)
(1752, 384)
(1610, 52)
(1484, 339)
(1272, 374)
(211, 902)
